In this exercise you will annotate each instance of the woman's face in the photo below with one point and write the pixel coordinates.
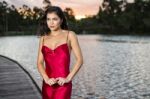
(53, 21)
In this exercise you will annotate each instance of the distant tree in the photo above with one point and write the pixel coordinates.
(124, 17)
(14, 19)
(37, 12)
(46, 3)
(3, 14)
(69, 14)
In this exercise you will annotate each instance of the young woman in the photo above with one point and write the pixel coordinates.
(53, 62)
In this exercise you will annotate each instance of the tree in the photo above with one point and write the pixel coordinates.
(124, 17)
(69, 14)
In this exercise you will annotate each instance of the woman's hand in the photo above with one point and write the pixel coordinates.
(61, 81)
(51, 81)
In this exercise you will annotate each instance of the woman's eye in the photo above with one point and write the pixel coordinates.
(51, 19)
(48, 19)
(55, 19)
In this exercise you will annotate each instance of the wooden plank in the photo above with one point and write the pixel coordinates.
(15, 82)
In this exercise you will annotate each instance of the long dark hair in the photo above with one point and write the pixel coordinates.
(43, 28)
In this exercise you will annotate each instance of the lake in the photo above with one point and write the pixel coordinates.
(115, 67)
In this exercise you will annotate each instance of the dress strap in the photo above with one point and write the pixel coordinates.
(43, 41)
(67, 36)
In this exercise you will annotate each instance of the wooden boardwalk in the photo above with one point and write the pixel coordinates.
(15, 82)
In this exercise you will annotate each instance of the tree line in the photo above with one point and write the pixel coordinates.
(24, 20)
(121, 17)
(114, 17)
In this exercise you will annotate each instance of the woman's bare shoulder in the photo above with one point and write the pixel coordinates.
(72, 35)
(70, 32)
(41, 37)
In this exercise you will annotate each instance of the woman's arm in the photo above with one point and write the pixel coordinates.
(40, 61)
(78, 55)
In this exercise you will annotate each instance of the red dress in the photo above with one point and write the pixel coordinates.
(57, 62)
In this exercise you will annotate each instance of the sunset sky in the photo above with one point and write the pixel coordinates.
(80, 7)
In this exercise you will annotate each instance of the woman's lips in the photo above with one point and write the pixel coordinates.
(52, 26)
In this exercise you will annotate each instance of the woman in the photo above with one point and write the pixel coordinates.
(55, 45)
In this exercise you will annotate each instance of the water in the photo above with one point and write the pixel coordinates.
(115, 67)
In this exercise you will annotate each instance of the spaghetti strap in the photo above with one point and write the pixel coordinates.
(57, 59)
(67, 36)
(43, 41)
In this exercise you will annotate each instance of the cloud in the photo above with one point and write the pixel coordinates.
(30, 3)
(80, 7)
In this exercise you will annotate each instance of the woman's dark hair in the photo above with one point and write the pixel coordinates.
(43, 28)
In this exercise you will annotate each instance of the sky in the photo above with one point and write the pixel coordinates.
(80, 7)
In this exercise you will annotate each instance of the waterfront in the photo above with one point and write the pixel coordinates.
(116, 67)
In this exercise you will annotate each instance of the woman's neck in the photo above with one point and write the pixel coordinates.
(55, 33)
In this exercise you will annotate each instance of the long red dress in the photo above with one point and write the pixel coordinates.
(57, 62)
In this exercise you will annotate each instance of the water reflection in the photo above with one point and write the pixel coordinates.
(115, 67)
